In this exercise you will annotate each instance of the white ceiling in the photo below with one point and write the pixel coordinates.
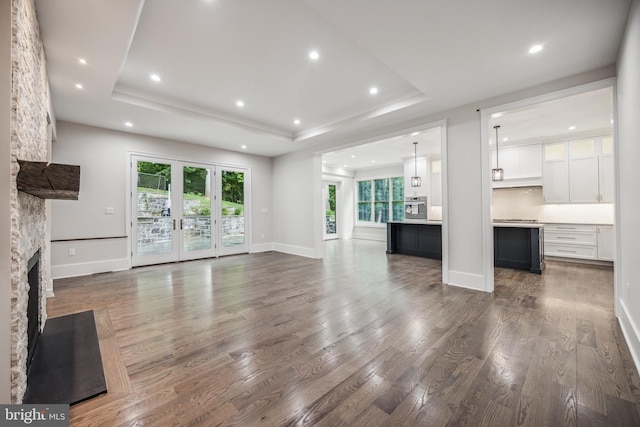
(388, 151)
(423, 56)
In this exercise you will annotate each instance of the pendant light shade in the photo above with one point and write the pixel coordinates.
(415, 180)
(497, 174)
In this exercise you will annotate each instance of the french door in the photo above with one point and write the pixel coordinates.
(173, 210)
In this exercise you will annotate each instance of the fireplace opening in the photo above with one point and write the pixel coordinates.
(33, 306)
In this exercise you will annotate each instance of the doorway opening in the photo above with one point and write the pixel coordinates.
(374, 184)
(557, 154)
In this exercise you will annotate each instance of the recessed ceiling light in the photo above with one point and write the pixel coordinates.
(415, 134)
(505, 139)
(244, 147)
(324, 161)
(296, 122)
(535, 48)
(128, 124)
(156, 78)
(344, 166)
(353, 156)
(239, 103)
(373, 90)
(79, 86)
(314, 55)
(373, 161)
(572, 127)
(82, 61)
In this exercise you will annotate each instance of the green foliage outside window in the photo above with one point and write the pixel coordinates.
(388, 198)
(364, 201)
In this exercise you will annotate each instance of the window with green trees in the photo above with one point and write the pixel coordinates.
(381, 200)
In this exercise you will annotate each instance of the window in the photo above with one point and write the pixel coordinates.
(381, 200)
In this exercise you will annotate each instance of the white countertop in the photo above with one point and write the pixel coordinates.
(519, 224)
(417, 221)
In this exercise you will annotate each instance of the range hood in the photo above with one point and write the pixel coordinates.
(49, 180)
(518, 182)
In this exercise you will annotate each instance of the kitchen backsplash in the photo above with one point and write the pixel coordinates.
(526, 203)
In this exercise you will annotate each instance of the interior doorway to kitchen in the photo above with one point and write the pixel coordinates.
(376, 178)
(556, 156)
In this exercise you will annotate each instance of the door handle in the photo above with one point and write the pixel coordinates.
(180, 223)
(174, 225)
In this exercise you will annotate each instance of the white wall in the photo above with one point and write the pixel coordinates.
(99, 239)
(527, 203)
(5, 208)
(295, 206)
(628, 230)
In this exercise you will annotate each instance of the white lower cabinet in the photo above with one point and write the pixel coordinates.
(579, 241)
(605, 243)
(571, 241)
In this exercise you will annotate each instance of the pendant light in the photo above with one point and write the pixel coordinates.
(497, 174)
(415, 180)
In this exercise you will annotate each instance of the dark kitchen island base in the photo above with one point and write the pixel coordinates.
(417, 239)
(519, 248)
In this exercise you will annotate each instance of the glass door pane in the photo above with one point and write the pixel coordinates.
(233, 237)
(330, 217)
(197, 209)
(154, 225)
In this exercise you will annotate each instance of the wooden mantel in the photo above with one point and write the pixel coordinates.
(49, 180)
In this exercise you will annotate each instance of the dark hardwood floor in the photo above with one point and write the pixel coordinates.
(360, 338)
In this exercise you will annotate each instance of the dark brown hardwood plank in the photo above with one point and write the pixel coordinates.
(360, 338)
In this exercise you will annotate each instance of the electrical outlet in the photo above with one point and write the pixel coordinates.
(72, 252)
(108, 211)
(628, 291)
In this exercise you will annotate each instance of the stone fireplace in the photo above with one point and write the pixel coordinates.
(30, 140)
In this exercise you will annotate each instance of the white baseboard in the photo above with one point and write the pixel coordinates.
(295, 250)
(261, 247)
(631, 333)
(73, 270)
(466, 280)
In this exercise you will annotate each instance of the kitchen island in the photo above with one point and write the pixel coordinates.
(519, 245)
(420, 238)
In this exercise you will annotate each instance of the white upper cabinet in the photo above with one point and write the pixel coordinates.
(583, 171)
(579, 171)
(522, 166)
(555, 173)
(530, 161)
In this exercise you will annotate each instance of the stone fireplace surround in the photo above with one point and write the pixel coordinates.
(30, 138)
